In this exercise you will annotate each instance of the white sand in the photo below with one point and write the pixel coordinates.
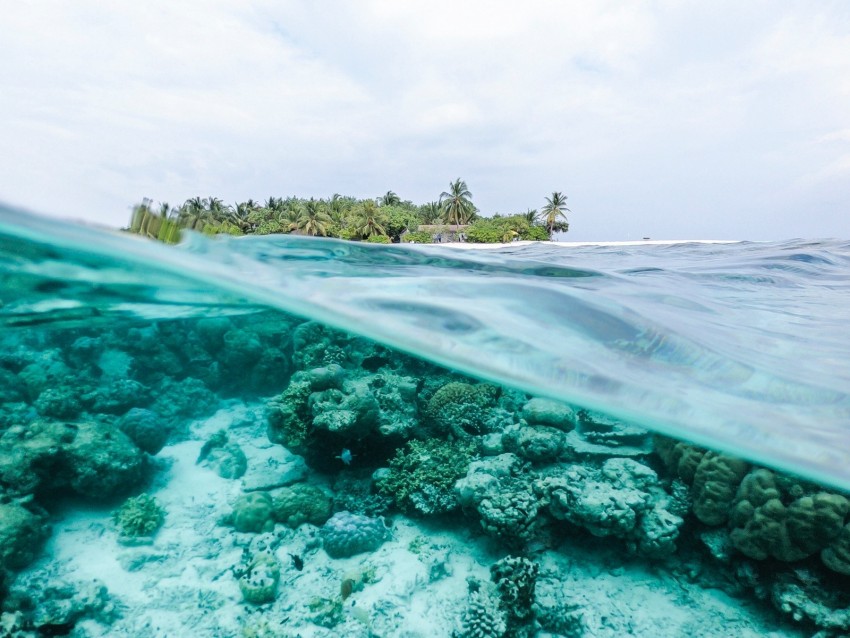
(576, 244)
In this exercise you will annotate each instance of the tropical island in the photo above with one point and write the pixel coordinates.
(383, 220)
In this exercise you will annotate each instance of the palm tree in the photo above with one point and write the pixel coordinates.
(313, 220)
(389, 199)
(217, 209)
(531, 215)
(554, 209)
(241, 216)
(368, 223)
(431, 213)
(457, 203)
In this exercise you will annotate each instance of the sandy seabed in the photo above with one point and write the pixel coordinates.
(183, 584)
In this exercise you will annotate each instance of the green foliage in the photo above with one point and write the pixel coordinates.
(268, 227)
(498, 229)
(378, 239)
(346, 218)
(419, 237)
(423, 474)
(139, 516)
(398, 219)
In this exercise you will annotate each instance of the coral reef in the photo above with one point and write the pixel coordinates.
(346, 534)
(621, 498)
(301, 503)
(94, 460)
(226, 458)
(252, 512)
(55, 608)
(483, 616)
(23, 530)
(422, 476)
(515, 578)
(258, 578)
(139, 517)
(146, 429)
(463, 409)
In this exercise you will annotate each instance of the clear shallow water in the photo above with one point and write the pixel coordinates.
(184, 451)
(742, 347)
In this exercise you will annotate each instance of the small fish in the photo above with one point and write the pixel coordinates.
(346, 588)
(346, 456)
(297, 561)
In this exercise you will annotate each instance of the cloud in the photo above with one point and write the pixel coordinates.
(685, 119)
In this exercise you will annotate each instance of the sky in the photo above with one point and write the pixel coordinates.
(666, 119)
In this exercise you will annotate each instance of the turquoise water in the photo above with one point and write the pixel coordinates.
(289, 436)
(741, 347)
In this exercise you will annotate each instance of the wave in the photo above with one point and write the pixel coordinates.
(737, 346)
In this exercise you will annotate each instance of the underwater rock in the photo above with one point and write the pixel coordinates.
(258, 580)
(146, 429)
(301, 503)
(805, 596)
(103, 461)
(535, 443)
(23, 530)
(95, 460)
(622, 498)
(118, 397)
(422, 475)
(52, 608)
(253, 512)
(138, 519)
(11, 387)
(602, 429)
(539, 411)
(185, 398)
(47, 370)
(556, 612)
(509, 514)
(484, 477)
(59, 402)
(346, 534)
(227, 459)
(273, 466)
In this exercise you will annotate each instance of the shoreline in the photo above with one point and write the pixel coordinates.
(581, 244)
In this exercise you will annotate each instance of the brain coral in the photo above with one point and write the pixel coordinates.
(767, 522)
(346, 534)
(716, 480)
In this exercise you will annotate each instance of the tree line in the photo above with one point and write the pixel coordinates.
(381, 220)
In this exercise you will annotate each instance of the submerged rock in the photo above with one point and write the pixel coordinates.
(346, 534)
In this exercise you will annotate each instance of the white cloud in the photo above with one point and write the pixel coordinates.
(680, 118)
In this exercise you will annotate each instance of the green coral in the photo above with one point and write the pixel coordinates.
(422, 475)
(252, 512)
(766, 522)
(716, 480)
(301, 503)
(139, 517)
(462, 408)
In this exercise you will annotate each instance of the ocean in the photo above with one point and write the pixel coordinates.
(292, 436)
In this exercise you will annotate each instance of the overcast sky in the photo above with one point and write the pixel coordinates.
(667, 119)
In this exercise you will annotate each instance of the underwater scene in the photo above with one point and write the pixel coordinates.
(293, 437)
